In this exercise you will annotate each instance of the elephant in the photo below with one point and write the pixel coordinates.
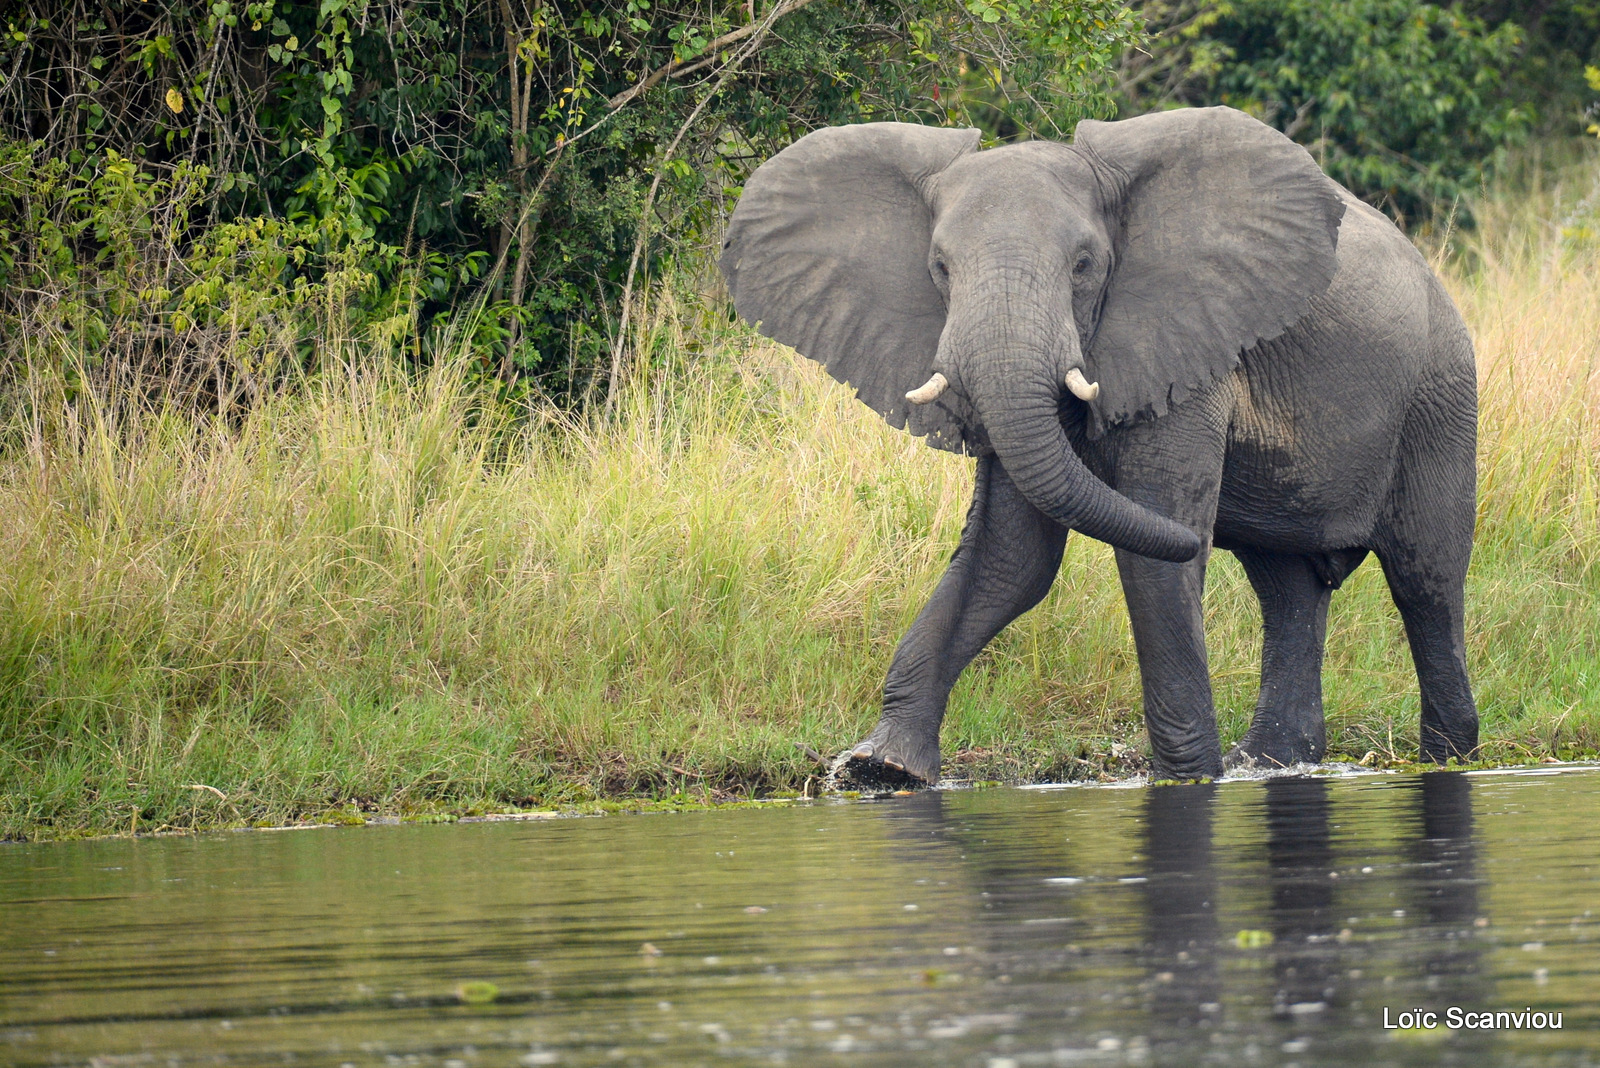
(1172, 334)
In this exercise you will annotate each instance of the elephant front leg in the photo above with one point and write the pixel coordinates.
(1008, 557)
(1174, 466)
(1164, 608)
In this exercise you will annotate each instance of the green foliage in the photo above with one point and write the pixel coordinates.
(316, 172)
(1560, 38)
(103, 270)
(429, 153)
(1044, 70)
(1592, 76)
(1404, 102)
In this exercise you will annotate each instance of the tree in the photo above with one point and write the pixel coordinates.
(1404, 102)
(534, 154)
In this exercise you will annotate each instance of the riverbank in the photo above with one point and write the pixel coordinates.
(377, 594)
(817, 788)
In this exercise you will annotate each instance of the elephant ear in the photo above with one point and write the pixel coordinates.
(828, 253)
(1228, 229)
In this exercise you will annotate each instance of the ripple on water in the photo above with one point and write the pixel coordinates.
(1252, 920)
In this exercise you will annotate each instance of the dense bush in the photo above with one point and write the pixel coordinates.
(208, 195)
(1560, 39)
(1404, 102)
(425, 160)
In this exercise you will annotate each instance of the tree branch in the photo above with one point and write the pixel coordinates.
(1302, 115)
(684, 66)
(619, 342)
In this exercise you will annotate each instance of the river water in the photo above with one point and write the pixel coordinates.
(1272, 922)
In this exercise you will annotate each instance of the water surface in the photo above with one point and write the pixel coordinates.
(1266, 922)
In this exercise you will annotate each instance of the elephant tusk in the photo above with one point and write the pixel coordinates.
(930, 390)
(1081, 388)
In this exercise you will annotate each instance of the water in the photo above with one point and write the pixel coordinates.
(1244, 923)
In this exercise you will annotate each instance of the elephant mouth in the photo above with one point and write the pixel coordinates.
(934, 388)
(1015, 375)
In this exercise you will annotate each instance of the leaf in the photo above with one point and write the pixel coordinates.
(175, 101)
(477, 992)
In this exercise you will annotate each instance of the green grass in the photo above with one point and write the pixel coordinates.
(376, 590)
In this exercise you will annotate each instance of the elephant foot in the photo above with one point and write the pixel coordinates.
(890, 758)
(1256, 753)
(1160, 773)
(1199, 761)
(1439, 747)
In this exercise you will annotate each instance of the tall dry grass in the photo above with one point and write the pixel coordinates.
(1528, 282)
(383, 588)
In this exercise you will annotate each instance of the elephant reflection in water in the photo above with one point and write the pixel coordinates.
(1328, 982)
(1441, 862)
(1301, 864)
(1063, 948)
(1182, 937)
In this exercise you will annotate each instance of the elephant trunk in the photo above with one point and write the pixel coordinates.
(1025, 429)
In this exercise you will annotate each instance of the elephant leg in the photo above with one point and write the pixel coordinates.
(1425, 546)
(1008, 557)
(1287, 727)
(1174, 466)
(1164, 608)
(1431, 607)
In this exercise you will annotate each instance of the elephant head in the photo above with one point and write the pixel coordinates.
(964, 292)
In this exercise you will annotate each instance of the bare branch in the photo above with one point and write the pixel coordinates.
(745, 51)
(679, 67)
(1302, 116)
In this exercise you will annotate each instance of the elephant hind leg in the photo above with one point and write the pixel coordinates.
(1008, 558)
(1425, 546)
(1431, 605)
(1294, 592)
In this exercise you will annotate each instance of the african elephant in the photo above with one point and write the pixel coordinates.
(1171, 334)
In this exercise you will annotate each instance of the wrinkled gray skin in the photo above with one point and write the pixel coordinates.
(1281, 376)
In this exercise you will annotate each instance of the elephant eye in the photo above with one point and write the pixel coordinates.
(1085, 261)
(938, 265)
